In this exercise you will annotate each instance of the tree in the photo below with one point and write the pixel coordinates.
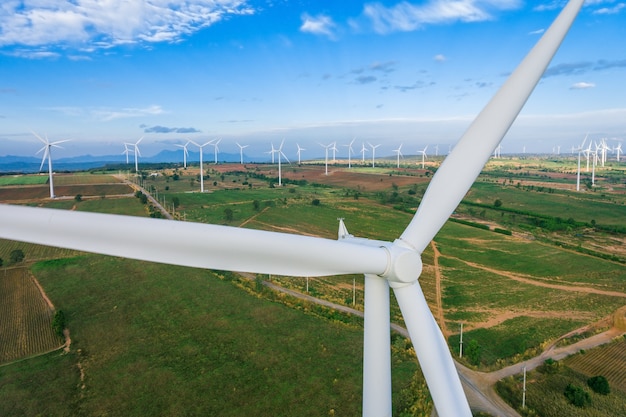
(17, 255)
(577, 395)
(58, 323)
(497, 203)
(599, 384)
(228, 215)
(1, 262)
(78, 198)
(472, 352)
(256, 204)
(315, 202)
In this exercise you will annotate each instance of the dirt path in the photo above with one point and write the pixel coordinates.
(439, 316)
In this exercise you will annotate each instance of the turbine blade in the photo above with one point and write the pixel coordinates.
(458, 172)
(200, 245)
(432, 352)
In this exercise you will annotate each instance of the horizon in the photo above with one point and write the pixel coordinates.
(395, 73)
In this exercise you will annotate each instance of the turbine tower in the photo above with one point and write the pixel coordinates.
(373, 152)
(280, 153)
(299, 152)
(423, 152)
(47, 146)
(200, 147)
(127, 150)
(185, 153)
(363, 150)
(241, 148)
(216, 149)
(350, 152)
(399, 154)
(580, 150)
(136, 152)
(393, 265)
(326, 147)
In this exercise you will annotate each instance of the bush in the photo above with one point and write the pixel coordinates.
(599, 384)
(58, 323)
(550, 366)
(17, 255)
(577, 395)
(315, 202)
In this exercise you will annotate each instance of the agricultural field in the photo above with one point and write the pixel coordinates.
(11, 180)
(512, 283)
(545, 390)
(25, 317)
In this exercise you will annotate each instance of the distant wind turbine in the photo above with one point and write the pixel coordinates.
(580, 150)
(280, 153)
(47, 145)
(216, 149)
(241, 148)
(136, 152)
(399, 154)
(618, 150)
(334, 149)
(272, 152)
(185, 153)
(423, 152)
(126, 152)
(363, 150)
(326, 147)
(201, 170)
(299, 152)
(350, 152)
(373, 152)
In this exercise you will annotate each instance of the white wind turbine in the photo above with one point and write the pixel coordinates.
(185, 153)
(47, 146)
(127, 150)
(334, 149)
(396, 265)
(373, 152)
(299, 152)
(241, 148)
(618, 151)
(201, 147)
(136, 152)
(580, 150)
(216, 149)
(363, 150)
(272, 152)
(326, 147)
(423, 152)
(280, 153)
(350, 152)
(399, 154)
(587, 153)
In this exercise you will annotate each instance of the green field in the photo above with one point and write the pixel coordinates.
(23, 180)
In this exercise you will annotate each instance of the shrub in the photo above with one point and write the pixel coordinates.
(58, 323)
(599, 384)
(550, 366)
(16, 255)
(577, 395)
(315, 202)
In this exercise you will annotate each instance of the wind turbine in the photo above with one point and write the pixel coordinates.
(272, 152)
(299, 152)
(216, 149)
(423, 152)
(399, 154)
(363, 150)
(350, 151)
(618, 150)
(136, 152)
(396, 265)
(241, 148)
(588, 154)
(185, 153)
(580, 150)
(326, 147)
(126, 152)
(334, 149)
(47, 145)
(201, 169)
(280, 153)
(373, 152)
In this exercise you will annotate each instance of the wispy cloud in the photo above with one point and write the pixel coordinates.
(582, 86)
(318, 25)
(577, 68)
(164, 129)
(405, 16)
(108, 115)
(88, 25)
(614, 9)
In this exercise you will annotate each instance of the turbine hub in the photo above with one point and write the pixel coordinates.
(405, 264)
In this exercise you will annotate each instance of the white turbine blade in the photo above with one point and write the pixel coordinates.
(432, 353)
(285, 156)
(40, 138)
(458, 171)
(203, 245)
(137, 143)
(46, 154)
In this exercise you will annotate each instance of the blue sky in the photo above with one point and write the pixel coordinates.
(104, 72)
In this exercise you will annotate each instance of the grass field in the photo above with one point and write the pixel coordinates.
(25, 317)
(206, 347)
(23, 180)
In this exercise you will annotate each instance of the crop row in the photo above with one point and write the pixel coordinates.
(608, 361)
(25, 317)
(32, 252)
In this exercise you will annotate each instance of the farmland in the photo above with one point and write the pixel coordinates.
(515, 292)
(26, 318)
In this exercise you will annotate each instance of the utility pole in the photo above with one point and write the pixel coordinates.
(461, 343)
(524, 390)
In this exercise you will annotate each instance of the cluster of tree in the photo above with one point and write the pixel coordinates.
(16, 256)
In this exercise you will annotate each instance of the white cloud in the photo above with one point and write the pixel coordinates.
(108, 115)
(582, 86)
(615, 9)
(406, 16)
(439, 58)
(92, 24)
(318, 25)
